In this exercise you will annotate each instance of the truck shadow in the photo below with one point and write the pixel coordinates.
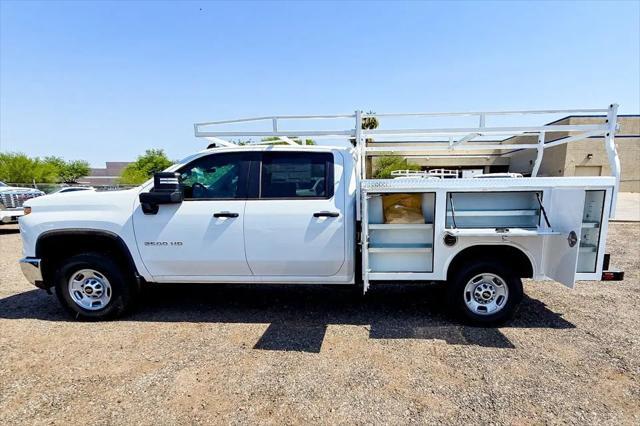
(298, 316)
(7, 229)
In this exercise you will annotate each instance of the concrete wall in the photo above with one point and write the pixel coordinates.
(627, 145)
(553, 161)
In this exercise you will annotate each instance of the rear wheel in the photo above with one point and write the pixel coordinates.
(485, 292)
(92, 286)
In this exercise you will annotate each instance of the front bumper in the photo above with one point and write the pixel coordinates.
(11, 215)
(31, 270)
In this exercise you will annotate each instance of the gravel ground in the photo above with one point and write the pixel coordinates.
(277, 354)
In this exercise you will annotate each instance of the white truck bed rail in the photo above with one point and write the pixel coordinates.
(458, 139)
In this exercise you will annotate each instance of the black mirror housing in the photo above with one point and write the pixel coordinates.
(167, 189)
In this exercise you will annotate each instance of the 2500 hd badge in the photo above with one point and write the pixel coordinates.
(163, 243)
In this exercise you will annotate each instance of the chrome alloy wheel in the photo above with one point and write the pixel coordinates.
(89, 289)
(486, 294)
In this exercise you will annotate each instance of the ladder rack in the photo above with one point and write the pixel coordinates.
(361, 130)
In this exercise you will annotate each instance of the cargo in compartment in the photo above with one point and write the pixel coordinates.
(402, 208)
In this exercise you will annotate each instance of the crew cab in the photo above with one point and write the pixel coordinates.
(307, 214)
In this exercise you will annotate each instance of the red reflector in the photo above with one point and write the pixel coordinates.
(612, 275)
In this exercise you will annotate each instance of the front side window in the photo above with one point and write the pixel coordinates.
(216, 176)
(297, 175)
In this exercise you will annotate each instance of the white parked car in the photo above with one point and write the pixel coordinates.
(12, 199)
(497, 175)
(308, 215)
(68, 189)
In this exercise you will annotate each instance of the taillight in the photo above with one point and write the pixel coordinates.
(612, 275)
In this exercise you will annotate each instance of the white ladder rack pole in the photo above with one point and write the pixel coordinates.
(470, 136)
(540, 154)
(441, 147)
(612, 153)
(467, 138)
(361, 158)
(577, 137)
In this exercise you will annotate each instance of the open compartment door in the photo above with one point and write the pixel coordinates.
(561, 251)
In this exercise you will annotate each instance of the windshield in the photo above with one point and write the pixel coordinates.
(2, 184)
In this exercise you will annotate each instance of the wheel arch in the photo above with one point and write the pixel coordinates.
(518, 259)
(52, 246)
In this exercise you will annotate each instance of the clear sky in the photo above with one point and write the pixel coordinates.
(103, 81)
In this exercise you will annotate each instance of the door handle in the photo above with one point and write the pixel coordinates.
(326, 214)
(225, 214)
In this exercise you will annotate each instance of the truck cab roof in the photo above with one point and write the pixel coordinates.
(263, 148)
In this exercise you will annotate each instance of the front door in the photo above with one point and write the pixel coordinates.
(296, 226)
(202, 236)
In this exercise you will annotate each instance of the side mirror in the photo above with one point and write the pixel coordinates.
(167, 189)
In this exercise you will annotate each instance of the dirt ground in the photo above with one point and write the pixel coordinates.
(278, 354)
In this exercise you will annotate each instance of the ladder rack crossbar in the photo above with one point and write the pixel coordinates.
(464, 147)
(287, 133)
(275, 117)
(488, 130)
(485, 113)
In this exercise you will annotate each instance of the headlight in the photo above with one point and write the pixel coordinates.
(2, 206)
(27, 210)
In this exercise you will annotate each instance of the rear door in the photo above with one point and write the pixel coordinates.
(564, 210)
(296, 226)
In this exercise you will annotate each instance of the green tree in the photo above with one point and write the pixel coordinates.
(386, 164)
(152, 161)
(370, 123)
(74, 170)
(68, 171)
(19, 168)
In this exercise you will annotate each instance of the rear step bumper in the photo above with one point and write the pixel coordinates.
(610, 275)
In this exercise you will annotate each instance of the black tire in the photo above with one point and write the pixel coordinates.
(457, 295)
(122, 290)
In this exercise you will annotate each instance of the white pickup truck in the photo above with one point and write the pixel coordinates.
(307, 214)
(11, 200)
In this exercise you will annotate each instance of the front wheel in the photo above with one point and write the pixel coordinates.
(485, 292)
(93, 286)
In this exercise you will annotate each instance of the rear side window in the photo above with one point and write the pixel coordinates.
(296, 175)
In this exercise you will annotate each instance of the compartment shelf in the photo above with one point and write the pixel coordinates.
(461, 213)
(400, 248)
(588, 248)
(390, 226)
(400, 275)
(491, 232)
(591, 224)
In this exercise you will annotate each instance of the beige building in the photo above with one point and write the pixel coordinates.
(586, 157)
(105, 176)
(582, 158)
